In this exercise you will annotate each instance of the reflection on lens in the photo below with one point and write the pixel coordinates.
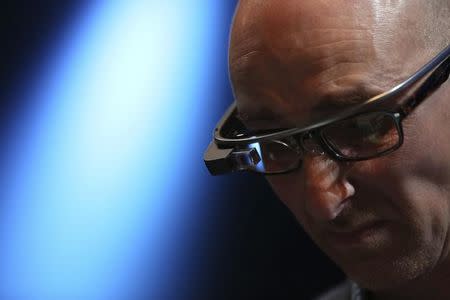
(363, 136)
(276, 156)
(260, 166)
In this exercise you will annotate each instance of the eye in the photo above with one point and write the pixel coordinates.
(364, 135)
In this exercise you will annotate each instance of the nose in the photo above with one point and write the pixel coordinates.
(326, 186)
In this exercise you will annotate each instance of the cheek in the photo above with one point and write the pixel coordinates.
(426, 206)
(289, 189)
(426, 149)
(415, 178)
(422, 167)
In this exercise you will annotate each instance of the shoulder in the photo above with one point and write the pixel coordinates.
(339, 292)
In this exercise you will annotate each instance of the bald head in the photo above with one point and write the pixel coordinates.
(284, 54)
(294, 62)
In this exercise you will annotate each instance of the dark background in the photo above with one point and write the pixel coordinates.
(28, 32)
(253, 248)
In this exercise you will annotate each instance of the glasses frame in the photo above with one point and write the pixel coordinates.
(219, 155)
(329, 149)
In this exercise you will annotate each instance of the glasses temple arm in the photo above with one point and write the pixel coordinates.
(431, 84)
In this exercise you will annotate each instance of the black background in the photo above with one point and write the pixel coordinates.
(27, 33)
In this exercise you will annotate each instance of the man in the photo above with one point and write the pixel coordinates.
(363, 167)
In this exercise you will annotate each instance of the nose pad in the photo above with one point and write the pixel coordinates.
(326, 188)
(311, 145)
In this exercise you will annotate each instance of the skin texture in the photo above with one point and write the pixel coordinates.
(288, 59)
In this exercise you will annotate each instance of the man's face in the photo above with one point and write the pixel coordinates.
(384, 221)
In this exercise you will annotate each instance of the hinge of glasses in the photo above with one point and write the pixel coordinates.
(224, 160)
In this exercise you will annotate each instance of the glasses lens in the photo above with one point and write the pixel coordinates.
(276, 157)
(363, 136)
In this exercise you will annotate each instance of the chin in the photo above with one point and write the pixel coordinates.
(387, 273)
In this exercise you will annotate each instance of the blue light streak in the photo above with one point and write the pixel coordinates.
(102, 162)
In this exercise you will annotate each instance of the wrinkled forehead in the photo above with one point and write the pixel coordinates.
(295, 62)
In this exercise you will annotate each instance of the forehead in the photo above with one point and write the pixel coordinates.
(291, 63)
(291, 90)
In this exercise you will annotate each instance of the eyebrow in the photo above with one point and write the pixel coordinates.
(328, 103)
(334, 102)
(264, 119)
(264, 115)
